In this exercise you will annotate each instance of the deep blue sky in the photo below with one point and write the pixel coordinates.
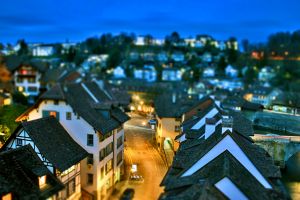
(53, 20)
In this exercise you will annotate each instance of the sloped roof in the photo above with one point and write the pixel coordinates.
(13, 62)
(234, 101)
(164, 107)
(19, 172)
(53, 141)
(224, 165)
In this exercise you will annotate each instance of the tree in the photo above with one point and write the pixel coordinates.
(1, 46)
(148, 39)
(23, 51)
(19, 98)
(250, 75)
(222, 64)
(4, 73)
(114, 58)
(245, 44)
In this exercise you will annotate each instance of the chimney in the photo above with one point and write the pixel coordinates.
(227, 123)
(210, 127)
(173, 98)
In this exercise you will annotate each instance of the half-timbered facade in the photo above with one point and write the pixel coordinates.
(24, 176)
(56, 149)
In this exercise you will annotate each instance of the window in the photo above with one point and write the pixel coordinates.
(119, 157)
(90, 179)
(109, 148)
(19, 142)
(32, 89)
(102, 154)
(90, 140)
(119, 141)
(108, 166)
(42, 181)
(47, 113)
(31, 80)
(177, 128)
(56, 102)
(90, 159)
(71, 187)
(68, 115)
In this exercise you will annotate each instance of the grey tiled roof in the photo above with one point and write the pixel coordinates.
(53, 141)
(91, 111)
(19, 172)
(191, 150)
(164, 107)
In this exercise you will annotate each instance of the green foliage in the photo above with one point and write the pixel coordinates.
(250, 75)
(8, 115)
(19, 98)
(23, 48)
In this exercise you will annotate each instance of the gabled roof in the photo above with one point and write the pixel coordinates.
(53, 141)
(189, 166)
(94, 105)
(19, 172)
(13, 62)
(240, 102)
(165, 107)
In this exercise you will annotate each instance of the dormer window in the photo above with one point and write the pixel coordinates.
(42, 181)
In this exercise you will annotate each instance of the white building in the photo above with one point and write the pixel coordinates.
(43, 50)
(27, 76)
(266, 74)
(178, 57)
(88, 115)
(119, 72)
(209, 72)
(231, 71)
(147, 73)
(171, 74)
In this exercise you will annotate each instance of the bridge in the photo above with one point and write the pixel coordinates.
(280, 147)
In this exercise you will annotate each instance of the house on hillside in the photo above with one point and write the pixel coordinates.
(262, 95)
(27, 75)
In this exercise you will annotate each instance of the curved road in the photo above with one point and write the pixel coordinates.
(139, 150)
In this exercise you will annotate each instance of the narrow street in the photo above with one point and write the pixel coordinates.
(139, 150)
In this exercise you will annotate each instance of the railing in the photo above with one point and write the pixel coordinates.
(259, 137)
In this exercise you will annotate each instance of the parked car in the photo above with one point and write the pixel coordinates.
(152, 121)
(127, 194)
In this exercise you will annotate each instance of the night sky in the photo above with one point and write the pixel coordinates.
(56, 21)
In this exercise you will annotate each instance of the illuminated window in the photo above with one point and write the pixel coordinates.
(52, 113)
(7, 197)
(108, 166)
(42, 181)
